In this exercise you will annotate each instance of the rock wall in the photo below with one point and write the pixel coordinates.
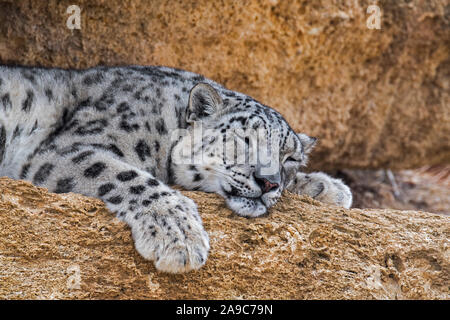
(68, 246)
(375, 98)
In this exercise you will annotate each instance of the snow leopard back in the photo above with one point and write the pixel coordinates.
(31, 103)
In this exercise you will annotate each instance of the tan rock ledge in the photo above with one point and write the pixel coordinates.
(69, 246)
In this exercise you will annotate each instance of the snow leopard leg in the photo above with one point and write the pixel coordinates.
(321, 187)
(166, 226)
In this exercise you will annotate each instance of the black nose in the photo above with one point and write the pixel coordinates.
(266, 185)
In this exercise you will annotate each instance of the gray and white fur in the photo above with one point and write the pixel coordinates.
(108, 132)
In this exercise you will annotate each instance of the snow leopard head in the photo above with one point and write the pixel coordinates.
(238, 148)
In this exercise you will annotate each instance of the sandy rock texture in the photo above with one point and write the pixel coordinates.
(375, 98)
(425, 189)
(69, 246)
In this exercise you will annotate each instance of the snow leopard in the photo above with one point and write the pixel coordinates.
(125, 134)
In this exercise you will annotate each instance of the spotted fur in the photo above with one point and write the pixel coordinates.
(123, 134)
(321, 187)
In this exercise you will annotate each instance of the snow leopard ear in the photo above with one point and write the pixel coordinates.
(307, 142)
(203, 102)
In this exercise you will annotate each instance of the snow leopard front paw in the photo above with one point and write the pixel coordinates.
(321, 187)
(171, 234)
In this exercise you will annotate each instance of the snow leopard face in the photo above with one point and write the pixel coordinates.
(238, 148)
